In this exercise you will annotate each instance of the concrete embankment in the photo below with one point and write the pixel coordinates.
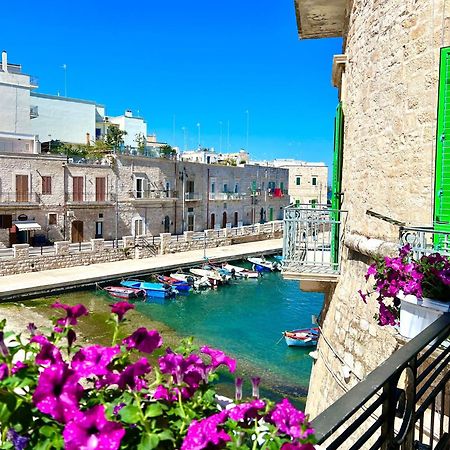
(58, 280)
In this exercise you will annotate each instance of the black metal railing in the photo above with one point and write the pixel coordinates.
(156, 194)
(403, 404)
(93, 197)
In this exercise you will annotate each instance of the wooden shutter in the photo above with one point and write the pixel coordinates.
(22, 188)
(337, 178)
(78, 189)
(46, 185)
(442, 174)
(100, 189)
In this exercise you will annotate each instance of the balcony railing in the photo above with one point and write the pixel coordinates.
(153, 194)
(90, 197)
(312, 240)
(19, 197)
(424, 240)
(192, 196)
(403, 404)
(226, 196)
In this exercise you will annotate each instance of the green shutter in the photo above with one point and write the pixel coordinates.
(337, 176)
(442, 175)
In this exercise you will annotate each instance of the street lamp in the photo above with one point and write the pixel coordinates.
(198, 126)
(183, 174)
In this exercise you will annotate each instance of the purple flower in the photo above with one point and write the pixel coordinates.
(290, 420)
(91, 430)
(117, 408)
(405, 251)
(71, 338)
(143, 340)
(72, 313)
(296, 446)
(31, 327)
(3, 348)
(49, 354)
(93, 360)
(19, 365)
(4, 371)
(58, 392)
(205, 433)
(132, 375)
(255, 386)
(363, 296)
(162, 393)
(218, 357)
(246, 411)
(238, 385)
(19, 442)
(121, 308)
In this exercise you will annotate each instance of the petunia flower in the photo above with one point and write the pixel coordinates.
(255, 386)
(132, 375)
(31, 327)
(238, 385)
(121, 308)
(3, 348)
(93, 360)
(49, 353)
(72, 314)
(206, 434)
(20, 442)
(218, 357)
(19, 365)
(91, 430)
(4, 371)
(296, 446)
(146, 341)
(246, 411)
(58, 392)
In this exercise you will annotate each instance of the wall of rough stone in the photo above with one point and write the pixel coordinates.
(389, 94)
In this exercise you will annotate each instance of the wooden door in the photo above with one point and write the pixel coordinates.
(21, 188)
(77, 231)
(78, 189)
(236, 218)
(167, 224)
(100, 189)
(224, 219)
(213, 221)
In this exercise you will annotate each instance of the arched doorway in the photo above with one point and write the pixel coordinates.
(77, 231)
(213, 221)
(236, 218)
(167, 224)
(224, 219)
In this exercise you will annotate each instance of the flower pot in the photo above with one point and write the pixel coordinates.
(417, 314)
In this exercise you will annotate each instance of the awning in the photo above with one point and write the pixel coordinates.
(27, 226)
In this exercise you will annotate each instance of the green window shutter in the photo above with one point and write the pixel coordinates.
(442, 173)
(297, 181)
(337, 177)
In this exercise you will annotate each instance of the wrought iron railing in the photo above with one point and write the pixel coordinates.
(92, 197)
(153, 194)
(226, 196)
(403, 404)
(424, 240)
(312, 239)
(19, 197)
(192, 196)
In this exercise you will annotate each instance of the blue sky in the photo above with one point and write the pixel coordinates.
(187, 62)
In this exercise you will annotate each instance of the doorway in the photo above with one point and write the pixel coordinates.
(213, 221)
(270, 214)
(167, 224)
(190, 222)
(77, 231)
(224, 219)
(236, 218)
(261, 215)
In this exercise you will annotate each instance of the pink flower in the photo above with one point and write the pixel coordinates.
(296, 446)
(58, 392)
(363, 296)
(255, 386)
(132, 375)
(49, 354)
(72, 313)
(94, 360)
(121, 308)
(218, 357)
(205, 433)
(143, 340)
(19, 365)
(238, 385)
(246, 411)
(91, 430)
(4, 371)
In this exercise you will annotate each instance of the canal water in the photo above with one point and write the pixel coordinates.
(245, 319)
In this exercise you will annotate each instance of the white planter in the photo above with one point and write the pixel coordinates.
(416, 315)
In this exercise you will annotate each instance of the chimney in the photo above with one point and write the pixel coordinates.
(128, 113)
(4, 61)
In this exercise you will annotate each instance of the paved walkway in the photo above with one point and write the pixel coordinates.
(57, 280)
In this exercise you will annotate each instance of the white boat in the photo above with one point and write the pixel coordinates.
(214, 277)
(261, 264)
(241, 271)
(197, 282)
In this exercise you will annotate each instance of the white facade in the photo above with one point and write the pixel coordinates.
(132, 125)
(64, 119)
(200, 156)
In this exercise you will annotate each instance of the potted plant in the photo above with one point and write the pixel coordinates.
(412, 293)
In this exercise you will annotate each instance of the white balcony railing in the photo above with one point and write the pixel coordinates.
(221, 196)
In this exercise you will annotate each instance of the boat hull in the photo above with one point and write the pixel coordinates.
(125, 293)
(306, 337)
(152, 289)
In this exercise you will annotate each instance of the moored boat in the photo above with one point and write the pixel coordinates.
(262, 265)
(178, 284)
(159, 290)
(241, 271)
(125, 292)
(192, 280)
(305, 337)
(213, 277)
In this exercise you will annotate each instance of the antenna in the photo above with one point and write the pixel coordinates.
(64, 66)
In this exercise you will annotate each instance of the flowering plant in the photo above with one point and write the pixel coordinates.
(55, 394)
(428, 276)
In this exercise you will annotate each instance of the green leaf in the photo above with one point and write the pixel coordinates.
(47, 431)
(154, 410)
(148, 441)
(166, 435)
(129, 414)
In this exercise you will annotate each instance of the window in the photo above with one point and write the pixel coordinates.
(236, 188)
(314, 181)
(78, 194)
(5, 221)
(313, 203)
(213, 187)
(139, 187)
(98, 230)
(297, 203)
(22, 188)
(225, 187)
(190, 210)
(46, 185)
(52, 218)
(100, 189)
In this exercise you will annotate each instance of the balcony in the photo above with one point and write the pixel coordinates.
(425, 240)
(225, 196)
(8, 198)
(154, 194)
(276, 193)
(312, 243)
(34, 112)
(91, 198)
(403, 404)
(192, 196)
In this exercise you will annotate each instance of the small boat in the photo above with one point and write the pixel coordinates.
(197, 282)
(224, 273)
(152, 289)
(178, 284)
(241, 271)
(124, 292)
(213, 277)
(305, 337)
(262, 265)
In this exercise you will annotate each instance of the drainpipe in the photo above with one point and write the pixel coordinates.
(207, 202)
(176, 200)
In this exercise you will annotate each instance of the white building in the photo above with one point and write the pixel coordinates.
(133, 125)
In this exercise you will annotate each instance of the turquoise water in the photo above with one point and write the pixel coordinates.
(245, 319)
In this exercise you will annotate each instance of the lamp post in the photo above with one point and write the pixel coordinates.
(183, 175)
(184, 137)
(198, 126)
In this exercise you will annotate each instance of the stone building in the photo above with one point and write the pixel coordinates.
(390, 167)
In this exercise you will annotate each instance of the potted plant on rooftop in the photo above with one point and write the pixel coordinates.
(412, 293)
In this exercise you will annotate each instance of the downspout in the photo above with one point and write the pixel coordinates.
(207, 202)
(176, 198)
